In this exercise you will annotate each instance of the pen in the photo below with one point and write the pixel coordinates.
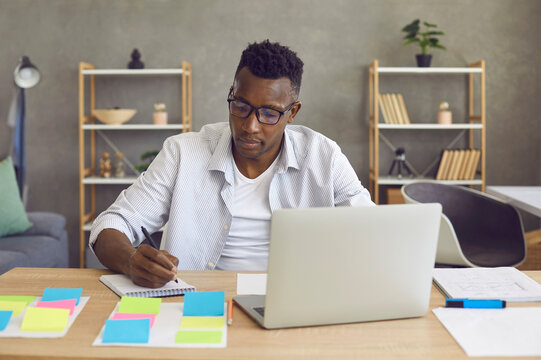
(152, 243)
(230, 312)
(475, 304)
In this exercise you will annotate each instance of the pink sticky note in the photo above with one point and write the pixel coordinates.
(133, 316)
(59, 304)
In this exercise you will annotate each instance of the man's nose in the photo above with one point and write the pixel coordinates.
(251, 124)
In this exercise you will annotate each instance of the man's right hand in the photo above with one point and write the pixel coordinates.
(152, 268)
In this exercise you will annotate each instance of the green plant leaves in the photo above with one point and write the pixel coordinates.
(424, 38)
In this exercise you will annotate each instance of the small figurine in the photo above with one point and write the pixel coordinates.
(445, 116)
(135, 63)
(105, 165)
(160, 113)
(118, 168)
(400, 161)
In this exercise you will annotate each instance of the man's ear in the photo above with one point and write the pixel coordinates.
(294, 111)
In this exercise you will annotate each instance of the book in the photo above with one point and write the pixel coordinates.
(384, 112)
(475, 163)
(459, 159)
(390, 108)
(402, 103)
(452, 163)
(443, 163)
(123, 286)
(397, 110)
(465, 164)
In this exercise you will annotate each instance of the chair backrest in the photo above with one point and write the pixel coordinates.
(488, 231)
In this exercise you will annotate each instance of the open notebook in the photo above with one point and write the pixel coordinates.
(123, 286)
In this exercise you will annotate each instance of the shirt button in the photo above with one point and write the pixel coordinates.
(226, 227)
(210, 265)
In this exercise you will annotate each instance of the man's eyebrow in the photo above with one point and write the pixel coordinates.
(270, 106)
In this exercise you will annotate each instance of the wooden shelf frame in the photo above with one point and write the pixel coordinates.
(88, 126)
(476, 122)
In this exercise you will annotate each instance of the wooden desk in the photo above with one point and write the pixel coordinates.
(418, 338)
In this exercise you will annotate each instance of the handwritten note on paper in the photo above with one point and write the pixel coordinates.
(210, 303)
(26, 299)
(126, 331)
(45, 319)
(202, 322)
(59, 304)
(494, 332)
(139, 305)
(134, 316)
(251, 284)
(16, 306)
(198, 337)
(4, 318)
(53, 294)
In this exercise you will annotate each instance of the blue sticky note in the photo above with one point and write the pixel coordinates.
(209, 303)
(52, 294)
(126, 331)
(4, 318)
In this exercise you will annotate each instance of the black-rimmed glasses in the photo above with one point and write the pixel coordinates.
(264, 115)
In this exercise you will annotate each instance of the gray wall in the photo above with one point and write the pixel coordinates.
(336, 39)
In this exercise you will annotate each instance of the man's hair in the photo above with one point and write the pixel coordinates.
(272, 61)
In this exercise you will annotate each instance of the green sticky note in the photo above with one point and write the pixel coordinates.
(45, 319)
(198, 337)
(16, 306)
(139, 305)
(202, 322)
(26, 299)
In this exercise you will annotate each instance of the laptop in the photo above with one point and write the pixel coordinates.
(347, 264)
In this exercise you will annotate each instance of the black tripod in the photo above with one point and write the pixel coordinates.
(400, 161)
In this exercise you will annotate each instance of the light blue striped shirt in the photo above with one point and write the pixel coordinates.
(189, 186)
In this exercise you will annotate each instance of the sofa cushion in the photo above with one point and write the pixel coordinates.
(10, 259)
(45, 223)
(13, 219)
(40, 250)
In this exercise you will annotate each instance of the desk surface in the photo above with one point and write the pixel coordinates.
(527, 198)
(416, 338)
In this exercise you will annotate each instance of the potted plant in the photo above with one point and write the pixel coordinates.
(426, 39)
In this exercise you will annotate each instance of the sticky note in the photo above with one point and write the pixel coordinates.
(59, 304)
(45, 319)
(209, 303)
(5, 315)
(202, 322)
(52, 294)
(198, 337)
(26, 299)
(139, 305)
(132, 316)
(126, 331)
(16, 306)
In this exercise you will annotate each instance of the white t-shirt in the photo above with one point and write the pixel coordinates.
(247, 245)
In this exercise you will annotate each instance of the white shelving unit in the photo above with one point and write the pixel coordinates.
(88, 128)
(474, 122)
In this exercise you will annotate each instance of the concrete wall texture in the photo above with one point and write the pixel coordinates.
(337, 40)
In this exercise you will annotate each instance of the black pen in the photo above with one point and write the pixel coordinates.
(152, 243)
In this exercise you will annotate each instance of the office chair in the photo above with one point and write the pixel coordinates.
(477, 230)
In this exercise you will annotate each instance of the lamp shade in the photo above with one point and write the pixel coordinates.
(26, 74)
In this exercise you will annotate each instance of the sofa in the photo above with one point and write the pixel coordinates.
(45, 244)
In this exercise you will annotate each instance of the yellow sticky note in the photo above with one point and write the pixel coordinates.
(198, 337)
(202, 322)
(26, 298)
(45, 319)
(16, 306)
(139, 305)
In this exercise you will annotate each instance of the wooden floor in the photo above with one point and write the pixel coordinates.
(533, 252)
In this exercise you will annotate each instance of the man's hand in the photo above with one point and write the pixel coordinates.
(152, 268)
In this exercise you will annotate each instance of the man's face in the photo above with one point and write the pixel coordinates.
(253, 140)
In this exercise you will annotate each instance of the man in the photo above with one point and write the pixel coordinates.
(216, 189)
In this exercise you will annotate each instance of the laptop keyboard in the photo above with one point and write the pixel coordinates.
(260, 310)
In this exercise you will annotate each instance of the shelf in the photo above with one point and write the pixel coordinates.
(430, 70)
(133, 127)
(133, 72)
(427, 126)
(109, 181)
(393, 180)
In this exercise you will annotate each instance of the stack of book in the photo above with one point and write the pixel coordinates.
(458, 164)
(393, 108)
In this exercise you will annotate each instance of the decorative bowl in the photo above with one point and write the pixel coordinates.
(114, 116)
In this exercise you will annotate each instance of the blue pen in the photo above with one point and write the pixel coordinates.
(475, 304)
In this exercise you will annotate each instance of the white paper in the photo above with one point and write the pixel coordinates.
(494, 332)
(14, 325)
(251, 284)
(165, 329)
(504, 283)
